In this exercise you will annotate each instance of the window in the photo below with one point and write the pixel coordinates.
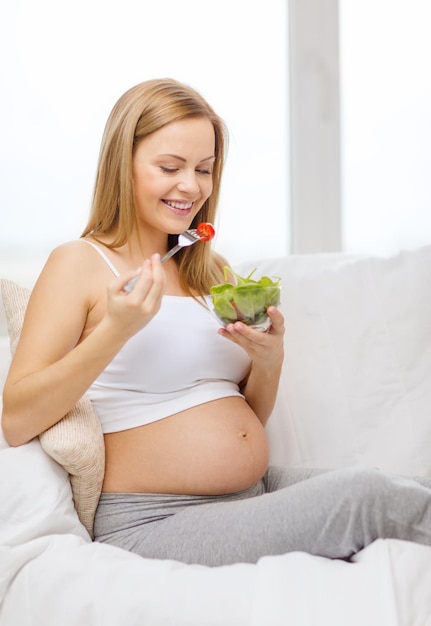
(386, 124)
(69, 62)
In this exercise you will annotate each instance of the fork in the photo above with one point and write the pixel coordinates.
(187, 238)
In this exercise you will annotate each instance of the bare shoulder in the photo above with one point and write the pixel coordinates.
(69, 266)
(58, 308)
(66, 281)
(66, 273)
(72, 253)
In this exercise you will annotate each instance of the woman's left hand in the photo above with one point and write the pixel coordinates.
(264, 348)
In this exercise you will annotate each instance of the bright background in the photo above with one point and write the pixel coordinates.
(385, 56)
(64, 64)
(67, 64)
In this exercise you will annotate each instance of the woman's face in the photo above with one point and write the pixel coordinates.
(172, 174)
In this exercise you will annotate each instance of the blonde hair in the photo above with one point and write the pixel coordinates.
(143, 110)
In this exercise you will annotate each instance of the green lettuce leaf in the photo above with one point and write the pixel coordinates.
(246, 301)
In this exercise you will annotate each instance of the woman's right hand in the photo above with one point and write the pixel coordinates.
(131, 310)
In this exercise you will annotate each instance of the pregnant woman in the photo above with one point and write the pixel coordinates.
(183, 403)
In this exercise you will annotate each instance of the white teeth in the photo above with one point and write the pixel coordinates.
(180, 205)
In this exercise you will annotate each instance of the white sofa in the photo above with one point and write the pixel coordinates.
(355, 390)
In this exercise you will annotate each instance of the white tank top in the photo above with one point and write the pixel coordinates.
(176, 362)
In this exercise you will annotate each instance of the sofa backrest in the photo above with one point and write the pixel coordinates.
(356, 382)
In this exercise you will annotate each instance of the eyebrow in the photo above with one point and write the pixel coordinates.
(176, 156)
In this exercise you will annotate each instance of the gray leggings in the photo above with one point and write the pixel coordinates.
(327, 513)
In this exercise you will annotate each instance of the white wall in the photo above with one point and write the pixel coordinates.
(65, 64)
(68, 62)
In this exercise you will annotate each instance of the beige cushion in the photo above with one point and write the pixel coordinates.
(76, 441)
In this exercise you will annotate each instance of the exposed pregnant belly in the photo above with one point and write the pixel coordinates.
(214, 448)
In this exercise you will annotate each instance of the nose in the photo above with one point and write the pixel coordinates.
(188, 183)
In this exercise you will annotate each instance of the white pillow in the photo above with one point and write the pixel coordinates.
(35, 495)
(76, 442)
(356, 382)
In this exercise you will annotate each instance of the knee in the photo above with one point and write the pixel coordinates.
(365, 475)
(365, 484)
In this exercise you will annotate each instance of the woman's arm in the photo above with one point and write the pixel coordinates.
(266, 350)
(74, 326)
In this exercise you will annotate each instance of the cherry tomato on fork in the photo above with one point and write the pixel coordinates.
(205, 231)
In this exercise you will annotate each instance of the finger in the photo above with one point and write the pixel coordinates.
(159, 274)
(140, 278)
(118, 285)
(229, 332)
(127, 281)
(243, 335)
(158, 281)
(277, 319)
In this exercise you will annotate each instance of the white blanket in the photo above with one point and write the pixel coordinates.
(61, 580)
(51, 574)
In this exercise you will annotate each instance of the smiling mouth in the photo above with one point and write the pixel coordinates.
(180, 206)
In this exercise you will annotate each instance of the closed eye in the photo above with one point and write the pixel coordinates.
(168, 170)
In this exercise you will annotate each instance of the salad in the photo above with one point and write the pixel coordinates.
(247, 301)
